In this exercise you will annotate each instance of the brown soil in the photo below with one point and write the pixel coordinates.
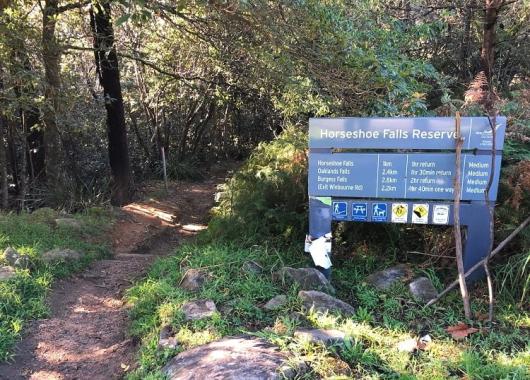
(85, 336)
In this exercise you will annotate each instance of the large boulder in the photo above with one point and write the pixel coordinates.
(423, 290)
(200, 309)
(323, 302)
(234, 358)
(7, 273)
(305, 278)
(61, 254)
(194, 279)
(386, 278)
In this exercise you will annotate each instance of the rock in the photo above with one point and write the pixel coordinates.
(10, 255)
(323, 302)
(167, 339)
(60, 254)
(384, 279)
(305, 278)
(233, 358)
(68, 223)
(195, 310)
(327, 337)
(276, 303)
(16, 260)
(252, 267)
(194, 279)
(423, 290)
(7, 273)
(45, 214)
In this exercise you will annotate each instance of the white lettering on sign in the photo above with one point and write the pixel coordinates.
(392, 134)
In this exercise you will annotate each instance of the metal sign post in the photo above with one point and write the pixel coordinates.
(401, 170)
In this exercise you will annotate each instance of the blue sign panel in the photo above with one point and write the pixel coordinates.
(400, 176)
(436, 133)
(340, 210)
(359, 212)
(379, 212)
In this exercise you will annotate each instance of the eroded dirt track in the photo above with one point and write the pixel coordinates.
(86, 334)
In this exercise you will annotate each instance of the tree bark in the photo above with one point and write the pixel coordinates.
(3, 155)
(51, 60)
(487, 54)
(109, 78)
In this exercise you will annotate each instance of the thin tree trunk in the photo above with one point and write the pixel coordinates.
(465, 71)
(51, 61)
(487, 54)
(3, 155)
(109, 78)
(457, 230)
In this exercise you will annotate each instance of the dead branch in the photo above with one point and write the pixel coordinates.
(457, 229)
(501, 245)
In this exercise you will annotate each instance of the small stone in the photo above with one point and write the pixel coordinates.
(16, 260)
(384, 279)
(167, 340)
(423, 290)
(7, 273)
(68, 223)
(240, 357)
(305, 278)
(194, 279)
(200, 309)
(327, 337)
(252, 267)
(60, 254)
(323, 302)
(10, 256)
(276, 303)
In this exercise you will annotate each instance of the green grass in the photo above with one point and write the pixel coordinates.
(23, 298)
(383, 319)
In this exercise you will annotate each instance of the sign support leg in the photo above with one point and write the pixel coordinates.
(320, 218)
(476, 217)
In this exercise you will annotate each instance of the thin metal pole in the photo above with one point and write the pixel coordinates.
(164, 166)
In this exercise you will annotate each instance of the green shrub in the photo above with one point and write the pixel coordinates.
(267, 197)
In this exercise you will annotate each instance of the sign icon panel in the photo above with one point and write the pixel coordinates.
(440, 214)
(400, 212)
(359, 211)
(340, 210)
(420, 213)
(379, 212)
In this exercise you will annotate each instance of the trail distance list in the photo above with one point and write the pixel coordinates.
(401, 176)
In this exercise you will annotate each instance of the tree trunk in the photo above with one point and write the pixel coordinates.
(109, 78)
(3, 155)
(51, 61)
(487, 54)
(465, 49)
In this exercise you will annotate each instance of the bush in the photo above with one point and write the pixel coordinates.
(267, 197)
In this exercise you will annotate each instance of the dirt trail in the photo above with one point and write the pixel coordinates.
(86, 334)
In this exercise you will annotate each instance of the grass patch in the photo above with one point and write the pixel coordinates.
(23, 297)
(383, 319)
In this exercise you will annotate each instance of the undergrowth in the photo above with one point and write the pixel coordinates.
(23, 297)
(382, 319)
(262, 216)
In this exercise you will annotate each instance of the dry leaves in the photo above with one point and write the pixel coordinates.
(461, 331)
